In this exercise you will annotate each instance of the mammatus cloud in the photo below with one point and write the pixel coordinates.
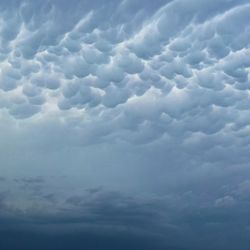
(185, 61)
(129, 118)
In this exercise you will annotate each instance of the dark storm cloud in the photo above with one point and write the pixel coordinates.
(95, 221)
(99, 219)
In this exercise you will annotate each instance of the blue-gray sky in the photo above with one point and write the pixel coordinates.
(125, 124)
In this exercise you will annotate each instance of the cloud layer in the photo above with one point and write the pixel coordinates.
(129, 118)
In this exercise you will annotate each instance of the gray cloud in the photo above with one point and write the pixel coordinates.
(134, 115)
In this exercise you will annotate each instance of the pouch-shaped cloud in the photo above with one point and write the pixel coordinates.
(174, 40)
(189, 46)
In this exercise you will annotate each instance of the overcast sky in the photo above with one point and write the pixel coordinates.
(125, 124)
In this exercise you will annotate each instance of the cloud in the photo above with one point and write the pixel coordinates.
(107, 67)
(149, 100)
(112, 218)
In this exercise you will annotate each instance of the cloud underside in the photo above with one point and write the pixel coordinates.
(137, 77)
(124, 121)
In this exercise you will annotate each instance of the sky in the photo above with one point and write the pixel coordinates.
(124, 124)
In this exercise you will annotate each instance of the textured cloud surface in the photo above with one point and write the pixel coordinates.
(125, 121)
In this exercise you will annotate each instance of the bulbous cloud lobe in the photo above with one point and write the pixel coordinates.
(182, 60)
